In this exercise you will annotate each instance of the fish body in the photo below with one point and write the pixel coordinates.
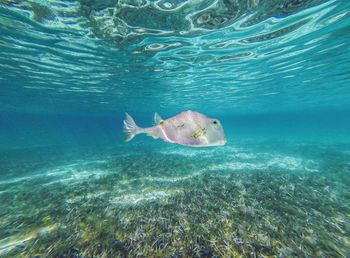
(187, 128)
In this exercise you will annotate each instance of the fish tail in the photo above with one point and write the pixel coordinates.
(130, 128)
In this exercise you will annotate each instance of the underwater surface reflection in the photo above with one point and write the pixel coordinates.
(234, 56)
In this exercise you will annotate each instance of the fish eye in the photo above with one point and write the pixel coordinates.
(215, 122)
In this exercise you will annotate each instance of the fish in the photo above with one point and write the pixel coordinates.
(188, 128)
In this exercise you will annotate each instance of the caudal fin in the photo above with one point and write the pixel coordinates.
(130, 128)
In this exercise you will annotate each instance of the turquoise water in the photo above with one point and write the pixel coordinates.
(275, 72)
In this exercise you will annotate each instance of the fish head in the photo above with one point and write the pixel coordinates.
(214, 133)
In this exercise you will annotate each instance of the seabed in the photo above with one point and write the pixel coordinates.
(177, 202)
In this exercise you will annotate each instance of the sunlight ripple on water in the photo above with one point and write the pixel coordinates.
(106, 55)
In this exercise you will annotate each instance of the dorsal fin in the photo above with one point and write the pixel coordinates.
(157, 119)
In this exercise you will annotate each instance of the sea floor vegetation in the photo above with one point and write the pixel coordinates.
(254, 201)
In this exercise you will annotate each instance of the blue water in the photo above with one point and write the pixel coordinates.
(275, 72)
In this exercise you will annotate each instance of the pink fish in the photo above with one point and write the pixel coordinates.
(188, 128)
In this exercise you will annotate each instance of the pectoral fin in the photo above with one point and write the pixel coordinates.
(198, 133)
